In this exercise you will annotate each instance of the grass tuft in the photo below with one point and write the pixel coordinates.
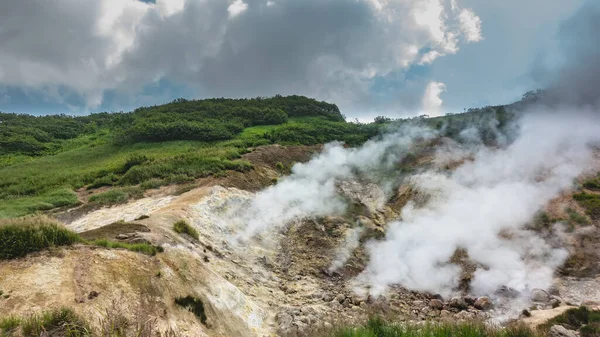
(56, 322)
(32, 234)
(183, 227)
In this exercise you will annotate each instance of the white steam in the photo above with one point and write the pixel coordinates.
(310, 190)
(482, 206)
(498, 191)
(344, 252)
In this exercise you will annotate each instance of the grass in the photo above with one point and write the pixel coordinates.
(143, 248)
(9, 324)
(57, 322)
(183, 227)
(590, 202)
(377, 327)
(19, 237)
(19, 206)
(116, 196)
(32, 234)
(194, 305)
(32, 184)
(587, 322)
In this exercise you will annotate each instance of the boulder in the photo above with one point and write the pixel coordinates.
(483, 303)
(539, 295)
(561, 331)
(458, 303)
(436, 304)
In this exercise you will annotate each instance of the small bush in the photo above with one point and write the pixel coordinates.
(109, 197)
(194, 305)
(19, 238)
(143, 248)
(183, 227)
(107, 180)
(57, 322)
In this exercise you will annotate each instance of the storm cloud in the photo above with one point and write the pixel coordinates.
(335, 50)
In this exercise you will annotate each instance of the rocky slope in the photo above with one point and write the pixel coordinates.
(280, 283)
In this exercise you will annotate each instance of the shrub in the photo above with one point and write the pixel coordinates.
(194, 305)
(183, 227)
(21, 237)
(107, 180)
(113, 196)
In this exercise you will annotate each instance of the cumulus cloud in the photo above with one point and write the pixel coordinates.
(237, 8)
(431, 102)
(470, 25)
(328, 49)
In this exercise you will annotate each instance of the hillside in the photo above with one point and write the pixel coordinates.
(44, 160)
(141, 226)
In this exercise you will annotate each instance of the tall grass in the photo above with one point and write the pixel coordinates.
(377, 327)
(144, 248)
(21, 237)
(56, 322)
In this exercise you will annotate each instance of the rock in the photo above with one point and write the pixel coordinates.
(287, 330)
(591, 305)
(340, 298)
(347, 303)
(284, 318)
(483, 303)
(445, 314)
(437, 297)
(93, 294)
(122, 236)
(561, 331)
(458, 303)
(436, 304)
(539, 295)
(555, 302)
(469, 300)
(327, 297)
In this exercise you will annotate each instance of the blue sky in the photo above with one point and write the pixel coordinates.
(371, 57)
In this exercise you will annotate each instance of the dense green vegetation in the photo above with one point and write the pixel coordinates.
(377, 327)
(183, 227)
(44, 159)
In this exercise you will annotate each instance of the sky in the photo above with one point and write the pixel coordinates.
(371, 57)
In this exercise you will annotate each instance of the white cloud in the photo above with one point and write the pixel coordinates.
(432, 102)
(470, 25)
(124, 45)
(237, 8)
